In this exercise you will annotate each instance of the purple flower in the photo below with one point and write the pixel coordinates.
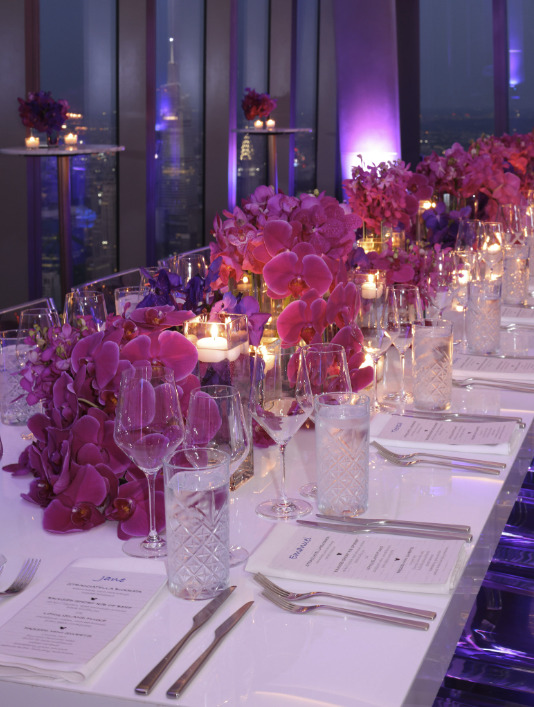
(244, 305)
(161, 289)
(41, 112)
(130, 506)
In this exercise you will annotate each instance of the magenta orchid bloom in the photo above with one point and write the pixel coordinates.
(171, 349)
(342, 305)
(151, 320)
(130, 507)
(351, 339)
(303, 319)
(297, 271)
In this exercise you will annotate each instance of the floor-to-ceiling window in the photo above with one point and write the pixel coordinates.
(521, 65)
(179, 126)
(456, 75)
(78, 64)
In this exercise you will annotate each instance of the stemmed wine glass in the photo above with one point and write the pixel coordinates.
(379, 326)
(281, 401)
(85, 307)
(328, 371)
(410, 312)
(439, 285)
(215, 419)
(148, 428)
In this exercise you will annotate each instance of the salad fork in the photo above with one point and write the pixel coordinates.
(24, 577)
(304, 609)
(431, 455)
(294, 596)
(393, 459)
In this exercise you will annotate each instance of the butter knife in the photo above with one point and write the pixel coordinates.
(462, 417)
(179, 686)
(148, 682)
(348, 528)
(391, 522)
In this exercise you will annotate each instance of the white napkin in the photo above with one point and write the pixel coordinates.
(520, 370)
(360, 560)
(25, 667)
(516, 315)
(417, 434)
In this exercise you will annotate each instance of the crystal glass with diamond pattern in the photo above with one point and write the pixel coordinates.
(197, 521)
(342, 453)
(432, 364)
(483, 321)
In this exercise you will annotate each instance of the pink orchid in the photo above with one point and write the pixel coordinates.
(171, 349)
(303, 319)
(350, 338)
(342, 305)
(297, 271)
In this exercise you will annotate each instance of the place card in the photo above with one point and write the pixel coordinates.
(380, 562)
(516, 369)
(71, 626)
(516, 315)
(477, 437)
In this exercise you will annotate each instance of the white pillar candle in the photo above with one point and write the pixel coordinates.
(32, 142)
(71, 139)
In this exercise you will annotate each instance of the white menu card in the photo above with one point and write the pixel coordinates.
(75, 622)
(514, 369)
(379, 561)
(492, 437)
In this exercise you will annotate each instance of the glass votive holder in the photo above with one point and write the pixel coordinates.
(127, 299)
(516, 274)
(483, 320)
(373, 282)
(395, 234)
(432, 364)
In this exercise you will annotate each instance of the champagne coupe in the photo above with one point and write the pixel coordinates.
(328, 371)
(410, 311)
(85, 307)
(379, 326)
(148, 428)
(281, 400)
(215, 419)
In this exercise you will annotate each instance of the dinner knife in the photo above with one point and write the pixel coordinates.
(348, 528)
(148, 682)
(392, 522)
(462, 417)
(179, 686)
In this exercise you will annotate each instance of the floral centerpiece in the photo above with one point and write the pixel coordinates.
(43, 113)
(81, 478)
(257, 105)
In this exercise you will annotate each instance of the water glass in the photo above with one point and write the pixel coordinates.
(432, 364)
(342, 453)
(516, 274)
(14, 410)
(483, 320)
(197, 520)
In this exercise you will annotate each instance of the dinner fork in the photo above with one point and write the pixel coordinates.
(385, 454)
(294, 596)
(24, 577)
(304, 609)
(512, 386)
(431, 455)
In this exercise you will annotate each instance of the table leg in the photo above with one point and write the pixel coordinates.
(272, 173)
(65, 235)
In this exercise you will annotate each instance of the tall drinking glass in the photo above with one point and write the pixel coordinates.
(379, 326)
(148, 428)
(215, 420)
(281, 401)
(490, 248)
(328, 371)
(410, 312)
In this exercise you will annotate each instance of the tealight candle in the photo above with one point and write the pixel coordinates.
(258, 123)
(31, 142)
(214, 349)
(71, 139)
(270, 124)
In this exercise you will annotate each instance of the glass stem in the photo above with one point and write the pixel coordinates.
(375, 380)
(402, 362)
(283, 493)
(152, 537)
(464, 332)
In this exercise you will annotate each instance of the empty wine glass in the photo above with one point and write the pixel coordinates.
(410, 312)
(328, 372)
(35, 329)
(378, 328)
(511, 218)
(215, 419)
(148, 428)
(85, 308)
(439, 282)
(281, 401)
(467, 236)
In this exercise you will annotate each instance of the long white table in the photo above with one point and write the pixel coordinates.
(272, 657)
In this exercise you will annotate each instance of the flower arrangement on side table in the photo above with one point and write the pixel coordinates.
(257, 105)
(43, 113)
